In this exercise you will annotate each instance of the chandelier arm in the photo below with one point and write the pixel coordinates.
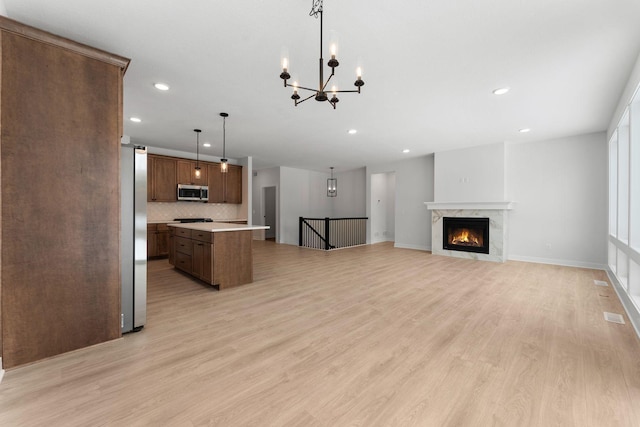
(308, 97)
(302, 87)
(346, 91)
(327, 82)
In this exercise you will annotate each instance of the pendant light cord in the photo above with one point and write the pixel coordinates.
(224, 137)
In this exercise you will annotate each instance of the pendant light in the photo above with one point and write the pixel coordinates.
(197, 173)
(223, 161)
(332, 185)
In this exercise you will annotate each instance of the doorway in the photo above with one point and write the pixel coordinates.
(383, 202)
(269, 214)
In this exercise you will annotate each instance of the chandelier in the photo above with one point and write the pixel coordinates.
(320, 93)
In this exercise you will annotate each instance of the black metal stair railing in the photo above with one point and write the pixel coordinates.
(332, 233)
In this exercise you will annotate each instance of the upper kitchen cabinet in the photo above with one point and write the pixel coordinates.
(187, 173)
(161, 179)
(234, 185)
(61, 115)
(225, 187)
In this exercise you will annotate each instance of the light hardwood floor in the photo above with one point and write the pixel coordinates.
(368, 336)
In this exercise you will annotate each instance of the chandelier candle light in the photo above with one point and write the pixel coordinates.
(320, 93)
(224, 160)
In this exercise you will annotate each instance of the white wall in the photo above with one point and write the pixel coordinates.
(474, 174)
(302, 193)
(3, 12)
(413, 186)
(351, 199)
(560, 192)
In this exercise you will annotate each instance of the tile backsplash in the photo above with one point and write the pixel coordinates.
(169, 211)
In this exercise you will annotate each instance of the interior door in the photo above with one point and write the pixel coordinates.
(269, 197)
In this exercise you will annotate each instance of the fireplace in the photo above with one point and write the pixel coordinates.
(466, 234)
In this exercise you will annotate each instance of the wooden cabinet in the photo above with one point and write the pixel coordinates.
(165, 173)
(202, 259)
(157, 240)
(216, 183)
(187, 172)
(225, 187)
(222, 259)
(161, 179)
(233, 188)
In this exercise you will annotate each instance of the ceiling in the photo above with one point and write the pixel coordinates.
(429, 66)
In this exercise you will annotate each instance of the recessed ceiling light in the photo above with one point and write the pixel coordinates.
(206, 144)
(406, 150)
(501, 91)
(524, 130)
(135, 119)
(161, 86)
(352, 131)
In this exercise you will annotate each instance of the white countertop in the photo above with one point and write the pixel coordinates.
(171, 221)
(214, 227)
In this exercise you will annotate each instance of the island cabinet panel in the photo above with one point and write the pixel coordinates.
(61, 115)
(233, 258)
(187, 172)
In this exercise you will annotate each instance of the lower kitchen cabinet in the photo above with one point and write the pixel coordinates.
(157, 240)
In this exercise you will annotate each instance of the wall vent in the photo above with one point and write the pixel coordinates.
(613, 317)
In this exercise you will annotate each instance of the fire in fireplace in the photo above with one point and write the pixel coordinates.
(466, 234)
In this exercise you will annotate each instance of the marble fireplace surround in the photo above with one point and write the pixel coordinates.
(495, 211)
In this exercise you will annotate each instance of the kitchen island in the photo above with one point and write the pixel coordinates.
(219, 254)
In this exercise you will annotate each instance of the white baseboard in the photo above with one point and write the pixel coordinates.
(1, 370)
(553, 261)
(416, 247)
(632, 311)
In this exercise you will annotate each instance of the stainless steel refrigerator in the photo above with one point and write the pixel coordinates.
(133, 189)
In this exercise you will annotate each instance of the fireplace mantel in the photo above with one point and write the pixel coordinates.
(469, 205)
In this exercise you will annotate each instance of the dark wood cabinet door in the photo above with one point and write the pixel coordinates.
(187, 172)
(184, 172)
(216, 183)
(165, 180)
(234, 185)
(152, 244)
(162, 240)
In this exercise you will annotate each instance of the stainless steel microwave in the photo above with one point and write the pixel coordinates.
(193, 193)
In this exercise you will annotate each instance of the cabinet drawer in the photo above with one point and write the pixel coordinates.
(184, 246)
(182, 232)
(203, 236)
(162, 227)
(183, 262)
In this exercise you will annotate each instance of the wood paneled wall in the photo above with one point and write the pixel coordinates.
(61, 116)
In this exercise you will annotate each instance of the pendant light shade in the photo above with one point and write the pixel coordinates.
(223, 161)
(332, 185)
(197, 171)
